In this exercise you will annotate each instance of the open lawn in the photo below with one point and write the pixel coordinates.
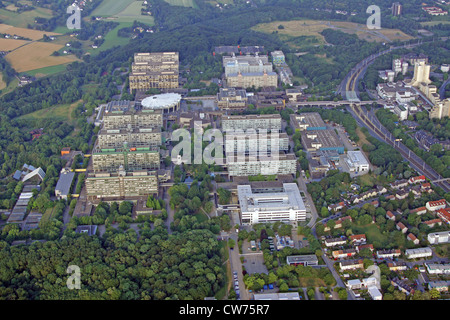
(24, 32)
(372, 232)
(182, 3)
(310, 29)
(43, 72)
(12, 85)
(37, 55)
(2, 83)
(58, 112)
(112, 7)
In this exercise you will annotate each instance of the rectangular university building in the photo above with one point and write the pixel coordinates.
(285, 206)
(239, 165)
(269, 122)
(133, 159)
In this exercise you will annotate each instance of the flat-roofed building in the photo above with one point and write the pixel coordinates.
(126, 114)
(246, 64)
(277, 296)
(322, 140)
(303, 260)
(285, 206)
(62, 189)
(232, 99)
(434, 268)
(357, 162)
(154, 70)
(419, 253)
(131, 159)
(439, 237)
(308, 121)
(247, 165)
(278, 57)
(351, 264)
(246, 142)
(133, 138)
(252, 79)
(269, 122)
(122, 184)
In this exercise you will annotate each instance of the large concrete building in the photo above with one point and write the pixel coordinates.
(121, 184)
(246, 143)
(130, 159)
(127, 114)
(134, 138)
(243, 165)
(421, 74)
(248, 71)
(315, 140)
(357, 162)
(158, 70)
(269, 122)
(232, 99)
(285, 206)
(307, 121)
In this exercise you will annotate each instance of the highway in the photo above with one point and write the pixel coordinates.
(370, 121)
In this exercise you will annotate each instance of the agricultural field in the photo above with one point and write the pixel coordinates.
(310, 30)
(9, 15)
(11, 44)
(125, 13)
(43, 72)
(24, 32)
(37, 55)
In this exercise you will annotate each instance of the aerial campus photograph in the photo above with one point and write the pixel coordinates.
(211, 151)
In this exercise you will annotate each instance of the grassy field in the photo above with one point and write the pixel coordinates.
(2, 83)
(372, 233)
(23, 19)
(310, 29)
(12, 85)
(182, 3)
(43, 72)
(112, 7)
(58, 113)
(24, 32)
(37, 55)
(125, 13)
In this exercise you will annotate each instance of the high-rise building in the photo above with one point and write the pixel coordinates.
(397, 9)
(421, 74)
(130, 159)
(158, 70)
(135, 138)
(269, 122)
(126, 114)
(274, 164)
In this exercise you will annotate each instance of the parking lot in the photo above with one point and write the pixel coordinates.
(254, 262)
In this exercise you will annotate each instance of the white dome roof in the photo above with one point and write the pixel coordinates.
(161, 101)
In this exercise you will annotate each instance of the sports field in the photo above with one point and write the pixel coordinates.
(37, 55)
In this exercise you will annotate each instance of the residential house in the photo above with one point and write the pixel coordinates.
(397, 266)
(399, 184)
(341, 254)
(400, 226)
(434, 268)
(388, 254)
(418, 253)
(336, 207)
(335, 242)
(402, 286)
(351, 265)
(432, 223)
(401, 194)
(381, 190)
(365, 246)
(419, 211)
(358, 239)
(419, 179)
(444, 215)
(412, 238)
(441, 286)
(436, 205)
(390, 216)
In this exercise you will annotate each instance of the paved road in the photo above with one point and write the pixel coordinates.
(442, 89)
